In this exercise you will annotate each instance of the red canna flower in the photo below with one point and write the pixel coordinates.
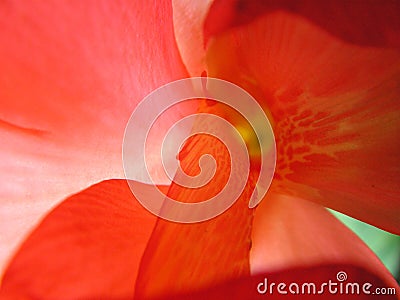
(326, 74)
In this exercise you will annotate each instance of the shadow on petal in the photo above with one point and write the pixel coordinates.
(366, 23)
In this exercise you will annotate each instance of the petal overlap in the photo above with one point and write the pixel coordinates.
(90, 246)
(71, 75)
(334, 108)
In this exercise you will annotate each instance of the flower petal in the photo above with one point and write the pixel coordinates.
(189, 19)
(71, 75)
(334, 108)
(182, 258)
(367, 23)
(289, 232)
(89, 246)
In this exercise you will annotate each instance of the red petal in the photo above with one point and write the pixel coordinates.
(368, 23)
(290, 232)
(186, 257)
(334, 108)
(89, 246)
(71, 74)
(246, 288)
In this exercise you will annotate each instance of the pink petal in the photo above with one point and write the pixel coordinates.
(189, 17)
(71, 75)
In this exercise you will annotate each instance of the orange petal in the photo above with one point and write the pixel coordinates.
(88, 247)
(182, 258)
(290, 232)
(367, 23)
(71, 75)
(319, 276)
(334, 108)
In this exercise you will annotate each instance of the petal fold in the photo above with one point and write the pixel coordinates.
(189, 17)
